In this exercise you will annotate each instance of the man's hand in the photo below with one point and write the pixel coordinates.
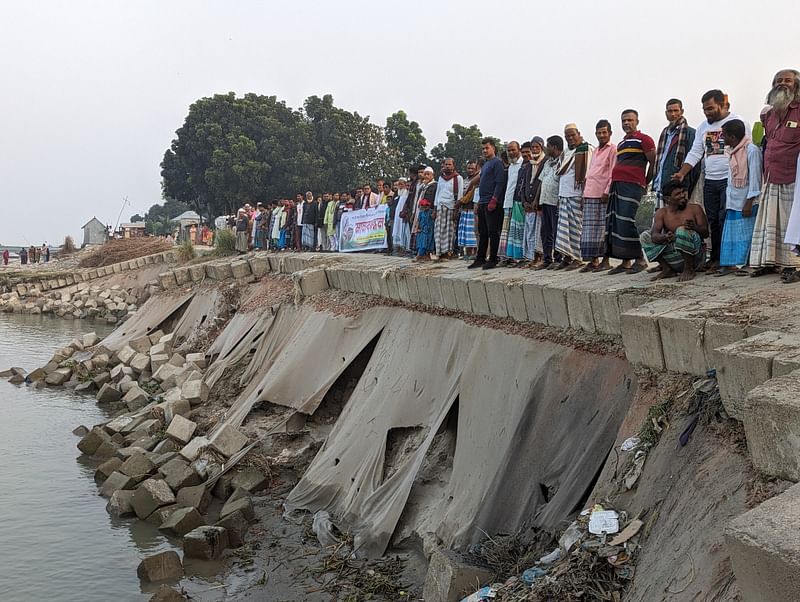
(678, 176)
(670, 236)
(747, 210)
(492, 204)
(604, 199)
(689, 224)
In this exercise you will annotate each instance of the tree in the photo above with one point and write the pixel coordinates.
(158, 218)
(405, 138)
(463, 144)
(136, 218)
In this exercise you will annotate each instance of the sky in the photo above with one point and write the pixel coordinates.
(94, 90)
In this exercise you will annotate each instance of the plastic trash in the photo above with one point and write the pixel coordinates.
(532, 574)
(570, 537)
(484, 593)
(630, 443)
(324, 529)
(603, 521)
(550, 558)
(635, 471)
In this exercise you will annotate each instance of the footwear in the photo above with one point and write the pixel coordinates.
(475, 264)
(635, 268)
(761, 271)
(543, 266)
(589, 267)
(724, 271)
(575, 265)
(620, 269)
(489, 265)
(790, 277)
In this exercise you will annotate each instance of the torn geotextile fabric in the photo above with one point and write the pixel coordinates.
(301, 355)
(202, 307)
(418, 368)
(235, 342)
(147, 319)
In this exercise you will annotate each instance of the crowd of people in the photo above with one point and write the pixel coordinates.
(33, 254)
(563, 203)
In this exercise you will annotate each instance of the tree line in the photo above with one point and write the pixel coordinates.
(231, 150)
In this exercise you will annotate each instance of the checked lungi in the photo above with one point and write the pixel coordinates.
(466, 229)
(686, 242)
(444, 230)
(532, 241)
(501, 250)
(737, 236)
(570, 224)
(308, 235)
(769, 248)
(593, 235)
(622, 236)
(516, 232)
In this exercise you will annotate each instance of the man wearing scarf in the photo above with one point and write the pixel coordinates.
(546, 200)
(401, 231)
(449, 190)
(673, 144)
(426, 194)
(512, 171)
(532, 239)
(467, 238)
(572, 176)
(595, 199)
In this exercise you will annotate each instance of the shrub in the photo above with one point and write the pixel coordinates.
(69, 245)
(186, 251)
(224, 242)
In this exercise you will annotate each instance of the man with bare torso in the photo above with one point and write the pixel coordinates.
(676, 238)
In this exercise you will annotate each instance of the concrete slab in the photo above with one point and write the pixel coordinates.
(534, 302)
(259, 265)
(515, 302)
(764, 545)
(461, 290)
(478, 297)
(435, 288)
(641, 335)
(496, 296)
(555, 306)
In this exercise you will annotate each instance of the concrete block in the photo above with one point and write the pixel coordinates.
(534, 303)
(764, 546)
(228, 440)
(197, 272)
(181, 429)
(92, 441)
(106, 468)
(195, 391)
(682, 346)
(555, 306)
(166, 280)
(275, 263)
(744, 365)
(141, 363)
(515, 301)
(164, 566)
(219, 271)
(240, 269)
(198, 359)
(182, 276)
(116, 481)
(477, 296)
(119, 504)
(249, 479)
(423, 290)
(126, 354)
(165, 372)
(785, 362)
(402, 288)
(151, 495)
(259, 266)
(196, 496)
(435, 288)
(137, 466)
(449, 577)
(496, 296)
(310, 281)
(641, 334)
(178, 474)
(54, 379)
(182, 521)
(90, 339)
(158, 360)
(718, 334)
(242, 504)
(580, 310)
(237, 525)
(771, 417)
(206, 543)
(136, 397)
(191, 450)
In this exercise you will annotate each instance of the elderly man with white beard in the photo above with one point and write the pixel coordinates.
(775, 231)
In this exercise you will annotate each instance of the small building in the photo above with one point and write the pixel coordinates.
(132, 230)
(188, 224)
(94, 232)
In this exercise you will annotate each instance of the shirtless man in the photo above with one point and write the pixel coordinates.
(676, 238)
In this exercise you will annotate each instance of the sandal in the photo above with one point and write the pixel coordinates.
(790, 277)
(724, 271)
(742, 272)
(620, 269)
(762, 271)
(635, 269)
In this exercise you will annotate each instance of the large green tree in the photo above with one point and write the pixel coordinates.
(463, 143)
(405, 138)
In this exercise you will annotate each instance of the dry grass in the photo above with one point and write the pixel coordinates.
(126, 249)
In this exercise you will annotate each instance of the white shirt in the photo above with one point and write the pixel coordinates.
(513, 172)
(444, 192)
(710, 143)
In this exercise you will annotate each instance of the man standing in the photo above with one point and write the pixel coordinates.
(309, 222)
(546, 201)
(467, 241)
(491, 188)
(532, 237)
(449, 190)
(595, 199)
(777, 227)
(709, 146)
(322, 235)
(368, 198)
(512, 171)
(673, 144)
(572, 175)
(401, 231)
(633, 170)
(426, 194)
(298, 222)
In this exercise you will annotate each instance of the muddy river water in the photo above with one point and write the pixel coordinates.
(56, 540)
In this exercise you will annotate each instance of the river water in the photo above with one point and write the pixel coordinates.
(56, 540)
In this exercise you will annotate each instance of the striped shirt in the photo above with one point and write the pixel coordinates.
(631, 165)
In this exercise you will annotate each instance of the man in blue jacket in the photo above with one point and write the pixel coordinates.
(490, 217)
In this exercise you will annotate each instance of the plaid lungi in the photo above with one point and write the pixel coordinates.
(570, 224)
(737, 234)
(308, 235)
(466, 229)
(501, 250)
(686, 242)
(622, 236)
(768, 248)
(593, 235)
(444, 230)
(241, 242)
(516, 232)
(532, 242)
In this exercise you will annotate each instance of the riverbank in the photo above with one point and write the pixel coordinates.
(255, 321)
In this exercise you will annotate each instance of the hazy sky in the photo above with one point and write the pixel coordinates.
(94, 91)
